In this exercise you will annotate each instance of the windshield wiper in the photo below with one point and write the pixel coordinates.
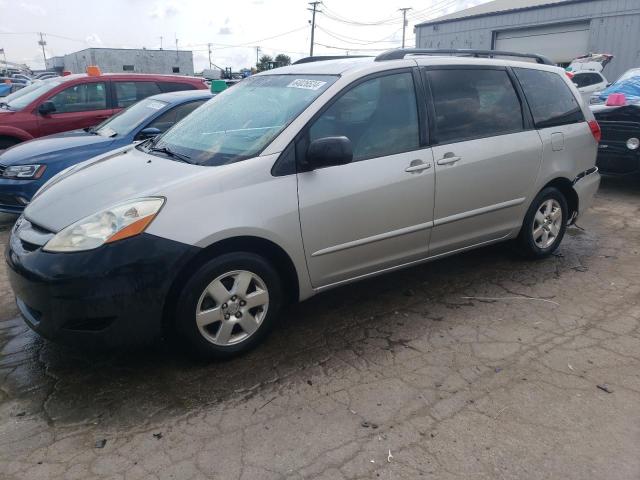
(171, 153)
(5, 105)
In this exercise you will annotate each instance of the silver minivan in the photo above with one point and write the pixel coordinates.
(298, 180)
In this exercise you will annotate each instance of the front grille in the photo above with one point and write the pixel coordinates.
(618, 163)
(619, 131)
(32, 236)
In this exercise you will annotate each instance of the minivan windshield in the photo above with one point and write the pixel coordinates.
(23, 97)
(243, 120)
(127, 120)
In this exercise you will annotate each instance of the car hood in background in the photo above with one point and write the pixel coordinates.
(62, 146)
(625, 113)
(629, 87)
(95, 185)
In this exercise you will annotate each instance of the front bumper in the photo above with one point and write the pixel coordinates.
(111, 296)
(614, 158)
(16, 194)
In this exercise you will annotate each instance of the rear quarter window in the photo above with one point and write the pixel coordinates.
(175, 86)
(551, 100)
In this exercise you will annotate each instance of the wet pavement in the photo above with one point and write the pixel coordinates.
(478, 366)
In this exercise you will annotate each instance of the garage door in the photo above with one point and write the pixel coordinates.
(561, 43)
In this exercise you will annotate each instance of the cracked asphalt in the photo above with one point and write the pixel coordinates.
(479, 366)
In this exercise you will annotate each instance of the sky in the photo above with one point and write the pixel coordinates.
(233, 27)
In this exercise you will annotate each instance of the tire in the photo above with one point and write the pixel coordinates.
(237, 298)
(544, 226)
(8, 142)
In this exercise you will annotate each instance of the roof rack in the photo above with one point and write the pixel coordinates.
(326, 57)
(400, 53)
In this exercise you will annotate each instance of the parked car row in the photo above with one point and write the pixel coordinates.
(27, 166)
(617, 109)
(78, 101)
(294, 181)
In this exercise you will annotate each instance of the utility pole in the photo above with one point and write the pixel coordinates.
(176, 46)
(314, 9)
(4, 55)
(404, 21)
(42, 43)
(257, 56)
(160, 42)
(210, 64)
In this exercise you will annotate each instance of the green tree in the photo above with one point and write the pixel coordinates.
(263, 63)
(283, 60)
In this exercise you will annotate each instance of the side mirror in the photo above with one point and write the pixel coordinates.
(46, 108)
(328, 152)
(148, 132)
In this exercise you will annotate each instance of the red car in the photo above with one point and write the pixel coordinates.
(78, 101)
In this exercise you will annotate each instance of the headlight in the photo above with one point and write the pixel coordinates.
(24, 171)
(633, 143)
(116, 223)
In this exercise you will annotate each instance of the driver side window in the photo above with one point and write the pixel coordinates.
(81, 98)
(379, 116)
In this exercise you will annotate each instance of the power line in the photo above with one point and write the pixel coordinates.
(356, 41)
(250, 44)
(351, 49)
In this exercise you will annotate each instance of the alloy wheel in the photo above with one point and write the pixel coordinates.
(547, 223)
(232, 307)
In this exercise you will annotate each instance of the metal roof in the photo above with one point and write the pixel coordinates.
(496, 6)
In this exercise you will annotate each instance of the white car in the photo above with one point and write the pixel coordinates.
(588, 83)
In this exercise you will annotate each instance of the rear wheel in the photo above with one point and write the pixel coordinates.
(229, 305)
(544, 224)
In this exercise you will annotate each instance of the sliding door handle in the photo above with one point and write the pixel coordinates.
(449, 160)
(417, 166)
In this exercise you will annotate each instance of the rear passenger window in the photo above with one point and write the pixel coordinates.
(168, 119)
(550, 98)
(586, 79)
(474, 104)
(128, 93)
(379, 116)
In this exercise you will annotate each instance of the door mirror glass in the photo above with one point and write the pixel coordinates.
(148, 132)
(328, 152)
(46, 108)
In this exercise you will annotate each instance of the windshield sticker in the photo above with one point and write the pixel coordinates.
(156, 105)
(306, 84)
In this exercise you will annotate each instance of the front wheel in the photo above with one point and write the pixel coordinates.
(544, 224)
(229, 305)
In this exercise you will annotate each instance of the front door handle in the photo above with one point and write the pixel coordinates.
(417, 166)
(449, 160)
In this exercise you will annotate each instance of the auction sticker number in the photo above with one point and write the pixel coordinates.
(306, 84)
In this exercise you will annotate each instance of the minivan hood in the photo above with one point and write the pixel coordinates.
(102, 182)
(54, 147)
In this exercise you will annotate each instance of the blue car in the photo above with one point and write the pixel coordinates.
(25, 167)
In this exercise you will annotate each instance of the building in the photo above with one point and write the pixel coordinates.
(559, 29)
(116, 60)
